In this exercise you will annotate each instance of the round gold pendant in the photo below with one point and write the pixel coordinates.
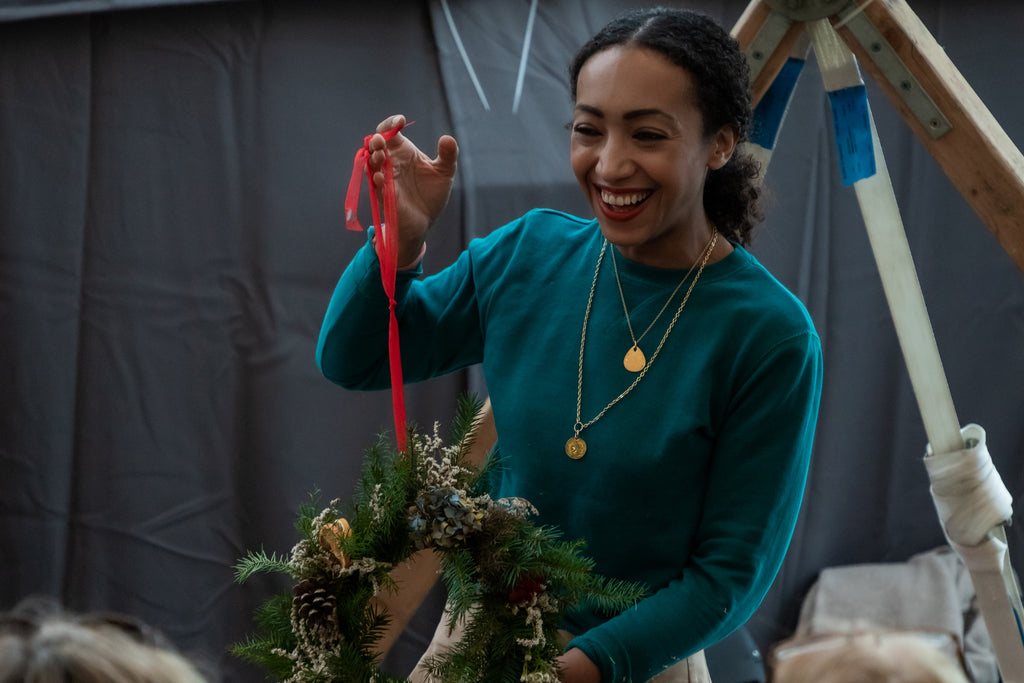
(634, 360)
(575, 448)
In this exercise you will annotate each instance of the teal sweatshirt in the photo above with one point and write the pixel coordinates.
(691, 483)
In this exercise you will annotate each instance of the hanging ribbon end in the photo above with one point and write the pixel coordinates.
(387, 252)
(352, 220)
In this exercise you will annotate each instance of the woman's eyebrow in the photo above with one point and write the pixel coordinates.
(640, 113)
(629, 115)
(587, 109)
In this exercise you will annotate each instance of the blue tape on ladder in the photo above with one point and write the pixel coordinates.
(851, 120)
(772, 108)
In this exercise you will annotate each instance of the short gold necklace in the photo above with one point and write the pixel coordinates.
(576, 447)
(634, 360)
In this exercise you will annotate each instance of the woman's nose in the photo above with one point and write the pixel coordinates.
(615, 161)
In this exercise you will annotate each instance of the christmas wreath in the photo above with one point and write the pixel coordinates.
(510, 579)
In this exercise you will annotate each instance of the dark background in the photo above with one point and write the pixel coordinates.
(171, 226)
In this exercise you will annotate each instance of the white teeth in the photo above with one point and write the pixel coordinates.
(623, 199)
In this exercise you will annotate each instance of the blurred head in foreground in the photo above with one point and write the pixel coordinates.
(874, 656)
(39, 643)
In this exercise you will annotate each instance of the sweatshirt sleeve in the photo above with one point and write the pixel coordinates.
(753, 495)
(438, 322)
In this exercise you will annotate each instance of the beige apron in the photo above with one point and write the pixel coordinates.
(693, 669)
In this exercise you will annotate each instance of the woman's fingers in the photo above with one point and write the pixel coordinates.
(376, 158)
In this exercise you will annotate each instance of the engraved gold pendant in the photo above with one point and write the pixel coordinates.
(635, 361)
(575, 448)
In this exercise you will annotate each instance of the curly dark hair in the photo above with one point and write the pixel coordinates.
(698, 44)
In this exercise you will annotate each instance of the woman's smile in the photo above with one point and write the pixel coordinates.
(622, 205)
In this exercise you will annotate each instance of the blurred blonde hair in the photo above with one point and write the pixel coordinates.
(58, 648)
(877, 656)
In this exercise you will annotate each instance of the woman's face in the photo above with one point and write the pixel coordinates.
(639, 153)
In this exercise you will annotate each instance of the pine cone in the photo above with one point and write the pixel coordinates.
(313, 609)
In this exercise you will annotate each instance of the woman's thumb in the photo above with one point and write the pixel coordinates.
(447, 155)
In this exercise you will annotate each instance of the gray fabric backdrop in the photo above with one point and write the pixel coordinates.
(171, 188)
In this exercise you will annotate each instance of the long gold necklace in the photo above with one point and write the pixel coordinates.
(576, 447)
(634, 360)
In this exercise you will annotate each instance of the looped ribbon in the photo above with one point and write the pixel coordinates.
(386, 243)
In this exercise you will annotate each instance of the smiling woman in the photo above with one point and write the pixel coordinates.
(706, 421)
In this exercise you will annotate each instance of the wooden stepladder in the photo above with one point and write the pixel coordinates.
(887, 40)
(901, 56)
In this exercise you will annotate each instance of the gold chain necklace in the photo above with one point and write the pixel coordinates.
(634, 360)
(576, 447)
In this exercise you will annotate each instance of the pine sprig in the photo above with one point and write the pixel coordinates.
(463, 427)
(275, 617)
(459, 577)
(259, 562)
(508, 580)
(308, 512)
(611, 595)
(262, 650)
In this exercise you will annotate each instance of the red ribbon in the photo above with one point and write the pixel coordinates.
(386, 243)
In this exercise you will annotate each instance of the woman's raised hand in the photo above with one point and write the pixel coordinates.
(422, 184)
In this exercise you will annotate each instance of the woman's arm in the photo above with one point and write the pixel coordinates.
(352, 347)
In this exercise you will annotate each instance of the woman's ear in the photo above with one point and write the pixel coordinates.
(723, 144)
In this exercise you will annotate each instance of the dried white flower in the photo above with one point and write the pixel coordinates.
(518, 506)
(368, 566)
(376, 505)
(539, 677)
(539, 604)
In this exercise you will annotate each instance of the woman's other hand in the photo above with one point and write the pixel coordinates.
(578, 668)
(422, 184)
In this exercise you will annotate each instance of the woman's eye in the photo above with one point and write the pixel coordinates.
(648, 136)
(584, 129)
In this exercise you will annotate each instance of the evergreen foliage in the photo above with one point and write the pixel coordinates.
(508, 579)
